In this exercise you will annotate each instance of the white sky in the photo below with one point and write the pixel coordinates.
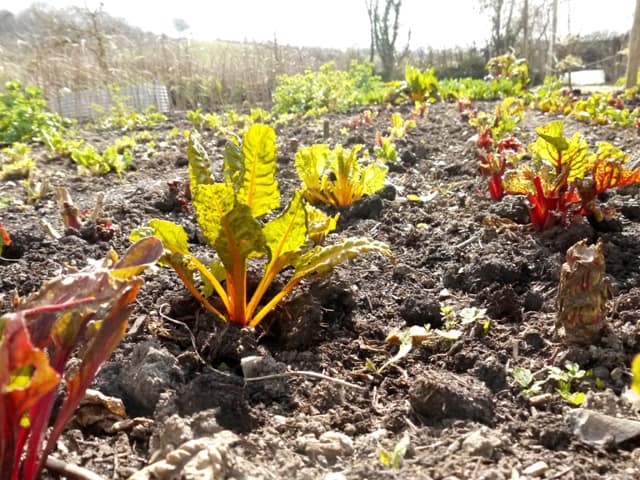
(338, 23)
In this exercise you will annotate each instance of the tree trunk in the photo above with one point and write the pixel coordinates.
(552, 39)
(633, 56)
(525, 26)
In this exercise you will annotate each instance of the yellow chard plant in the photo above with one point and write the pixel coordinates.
(336, 177)
(231, 215)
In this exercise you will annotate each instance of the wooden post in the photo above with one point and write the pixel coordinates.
(633, 55)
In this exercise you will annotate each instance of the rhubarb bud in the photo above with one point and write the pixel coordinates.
(582, 294)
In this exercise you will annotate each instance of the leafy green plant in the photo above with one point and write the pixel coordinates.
(81, 315)
(230, 214)
(23, 114)
(60, 144)
(493, 127)
(385, 149)
(564, 381)
(497, 161)
(196, 118)
(335, 177)
(399, 126)
(510, 67)
(476, 89)
(18, 163)
(393, 459)
(116, 157)
(498, 149)
(122, 116)
(421, 86)
(603, 109)
(552, 97)
(526, 380)
(314, 93)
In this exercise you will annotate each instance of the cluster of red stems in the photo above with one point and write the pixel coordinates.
(565, 182)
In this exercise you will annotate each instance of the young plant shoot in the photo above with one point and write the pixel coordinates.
(231, 215)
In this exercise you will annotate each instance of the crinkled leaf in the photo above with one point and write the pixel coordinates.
(608, 170)
(173, 237)
(551, 134)
(373, 177)
(288, 231)
(199, 164)
(311, 163)
(243, 238)
(322, 260)
(259, 188)
(233, 165)
(212, 203)
(319, 224)
(561, 153)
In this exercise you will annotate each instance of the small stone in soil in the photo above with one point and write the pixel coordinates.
(537, 469)
(482, 443)
(439, 395)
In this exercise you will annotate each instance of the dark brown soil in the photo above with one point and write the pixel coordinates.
(456, 402)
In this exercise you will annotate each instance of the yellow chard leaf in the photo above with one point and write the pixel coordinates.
(212, 203)
(287, 232)
(242, 239)
(373, 177)
(199, 164)
(172, 236)
(322, 260)
(319, 224)
(311, 163)
(259, 188)
(635, 374)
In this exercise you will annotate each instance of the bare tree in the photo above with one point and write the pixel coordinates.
(633, 57)
(384, 34)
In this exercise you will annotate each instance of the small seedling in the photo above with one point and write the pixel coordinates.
(394, 458)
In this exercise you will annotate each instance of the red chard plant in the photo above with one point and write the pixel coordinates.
(82, 314)
(498, 149)
(5, 239)
(494, 163)
(565, 178)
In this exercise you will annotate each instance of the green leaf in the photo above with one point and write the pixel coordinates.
(322, 260)
(635, 374)
(287, 232)
(523, 376)
(172, 236)
(372, 178)
(406, 344)
(259, 188)
(242, 239)
(319, 224)
(212, 202)
(199, 164)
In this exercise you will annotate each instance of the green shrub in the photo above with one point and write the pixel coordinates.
(23, 114)
(314, 93)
